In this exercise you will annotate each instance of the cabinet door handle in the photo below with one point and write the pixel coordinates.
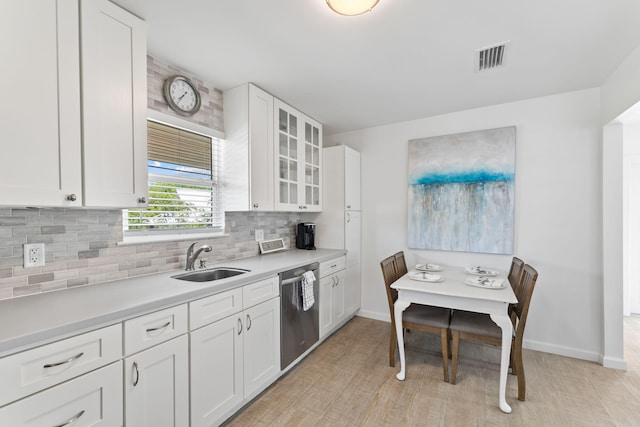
(348, 206)
(248, 322)
(255, 206)
(239, 326)
(64, 362)
(159, 327)
(72, 197)
(142, 200)
(71, 420)
(348, 217)
(137, 372)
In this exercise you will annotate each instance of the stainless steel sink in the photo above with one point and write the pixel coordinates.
(210, 275)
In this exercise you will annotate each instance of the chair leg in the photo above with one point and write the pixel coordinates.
(393, 343)
(520, 369)
(444, 341)
(455, 338)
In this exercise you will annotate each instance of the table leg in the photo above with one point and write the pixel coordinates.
(398, 307)
(504, 323)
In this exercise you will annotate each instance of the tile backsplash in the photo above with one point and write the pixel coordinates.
(81, 247)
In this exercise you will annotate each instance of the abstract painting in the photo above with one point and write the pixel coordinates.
(461, 191)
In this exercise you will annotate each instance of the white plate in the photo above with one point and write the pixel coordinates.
(480, 271)
(485, 282)
(423, 276)
(428, 267)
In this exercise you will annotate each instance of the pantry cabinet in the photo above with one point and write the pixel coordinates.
(75, 133)
(298, 143)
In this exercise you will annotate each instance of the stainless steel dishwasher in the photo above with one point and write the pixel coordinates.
(299, 329)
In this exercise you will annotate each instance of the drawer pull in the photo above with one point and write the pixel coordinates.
(71, 420)
(64, 362)
(135, 370)
(334, 265)
(159, 327)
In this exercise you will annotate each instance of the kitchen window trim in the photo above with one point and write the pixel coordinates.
(175, 235)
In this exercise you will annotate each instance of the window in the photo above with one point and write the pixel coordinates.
(184, 184)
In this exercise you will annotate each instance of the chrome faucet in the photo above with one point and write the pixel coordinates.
(193, 256)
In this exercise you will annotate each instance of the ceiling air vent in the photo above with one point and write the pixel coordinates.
(490, 57)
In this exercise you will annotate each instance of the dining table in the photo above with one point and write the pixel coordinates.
(458, 288)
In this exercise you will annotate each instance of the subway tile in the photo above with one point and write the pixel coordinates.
(53, 229)
(88, 254)
(27, 290)
(6, 293)
(80, 281)
(39, 278)
(12, 221)
(56, 285)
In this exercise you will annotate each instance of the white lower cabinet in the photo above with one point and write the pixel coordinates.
(93, 399)
(332, 302)
(261, 345)
(156, 384)
(216, 370)
(234, 358)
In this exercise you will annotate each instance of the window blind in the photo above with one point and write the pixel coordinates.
(184, 183)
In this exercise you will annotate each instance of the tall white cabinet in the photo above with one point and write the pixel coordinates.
(339, 224)
(74, 132)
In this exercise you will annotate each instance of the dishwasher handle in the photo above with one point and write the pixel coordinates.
(292, 280)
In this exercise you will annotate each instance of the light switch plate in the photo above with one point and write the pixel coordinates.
(259, 235)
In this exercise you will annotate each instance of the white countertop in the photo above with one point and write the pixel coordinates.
(41, 318)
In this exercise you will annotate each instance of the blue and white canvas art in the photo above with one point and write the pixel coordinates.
(461, 191)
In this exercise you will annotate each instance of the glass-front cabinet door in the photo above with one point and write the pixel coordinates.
(298, 160)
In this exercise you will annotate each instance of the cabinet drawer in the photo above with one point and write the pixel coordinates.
(331, 266)
(94, 399)
(154, 328)
(33, 370)
(216, 307)
(260, 291)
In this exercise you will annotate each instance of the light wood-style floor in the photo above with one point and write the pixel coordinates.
(347, 381)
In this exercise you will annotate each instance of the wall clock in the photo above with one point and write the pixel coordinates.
(182, 95)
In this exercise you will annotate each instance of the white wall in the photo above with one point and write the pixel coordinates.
(558, 213)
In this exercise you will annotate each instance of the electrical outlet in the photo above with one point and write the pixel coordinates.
(259, 235)
(34, 255)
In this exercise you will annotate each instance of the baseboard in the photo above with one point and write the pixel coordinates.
(374, 315)
(613, 362)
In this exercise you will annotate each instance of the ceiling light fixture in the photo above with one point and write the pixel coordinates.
(351, 7)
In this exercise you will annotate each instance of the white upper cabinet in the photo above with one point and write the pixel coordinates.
(249, 175)
(53, 119)
(114, 105)
(298, 140)
(40, 132)
(273, 154)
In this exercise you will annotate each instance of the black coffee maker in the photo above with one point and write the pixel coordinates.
(305, 235)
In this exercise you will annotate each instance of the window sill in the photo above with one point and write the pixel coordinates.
(165, 238)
